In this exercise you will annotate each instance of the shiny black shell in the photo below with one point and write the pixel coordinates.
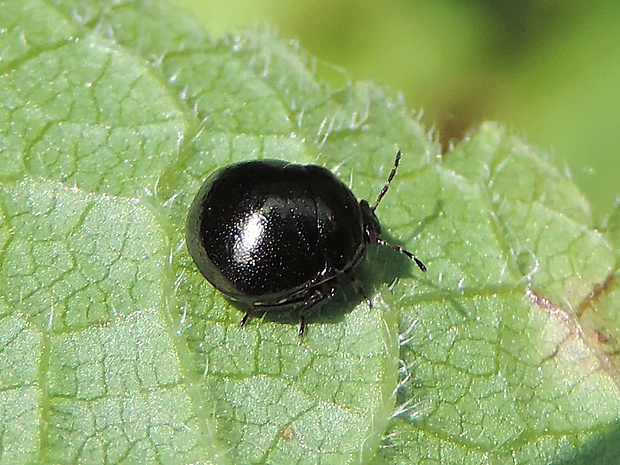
(273, 234)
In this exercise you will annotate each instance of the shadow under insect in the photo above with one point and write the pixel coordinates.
(382, 265)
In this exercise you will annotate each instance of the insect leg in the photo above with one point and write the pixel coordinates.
(318, 297)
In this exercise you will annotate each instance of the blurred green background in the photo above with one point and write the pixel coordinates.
(550, 70)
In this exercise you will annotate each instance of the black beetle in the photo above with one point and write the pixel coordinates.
(270, 234)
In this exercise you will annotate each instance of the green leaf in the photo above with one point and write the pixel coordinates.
(113, 348)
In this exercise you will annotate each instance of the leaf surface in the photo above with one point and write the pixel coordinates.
(114, 349)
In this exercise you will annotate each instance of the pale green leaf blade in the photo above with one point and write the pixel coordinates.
(121, 352)
(86, 334)
(513, 372)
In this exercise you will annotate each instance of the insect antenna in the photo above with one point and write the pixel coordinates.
(398, 248)
(389, 180)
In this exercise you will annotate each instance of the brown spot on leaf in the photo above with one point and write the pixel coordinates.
(588, 328)
(287, 433)
(595, 321)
